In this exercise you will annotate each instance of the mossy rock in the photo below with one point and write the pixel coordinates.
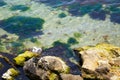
(10, 74)
(53, 76)
(21, 58)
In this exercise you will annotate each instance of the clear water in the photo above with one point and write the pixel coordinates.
(41, 23)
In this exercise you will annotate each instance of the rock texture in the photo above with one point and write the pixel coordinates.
(55, 63)
(7, 63)
(101, 62)
(46, 68)
(70, 77)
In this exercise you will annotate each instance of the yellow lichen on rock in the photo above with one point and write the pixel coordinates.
(10, 74)
(20, 59)
(53, 76)
(101, 59)
(13, 72)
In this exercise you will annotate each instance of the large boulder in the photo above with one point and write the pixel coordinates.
(53, 63)
(49, 68)
(46, 68)
(100, 62)
(56, 63)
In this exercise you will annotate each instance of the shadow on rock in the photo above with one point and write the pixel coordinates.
(23, 26)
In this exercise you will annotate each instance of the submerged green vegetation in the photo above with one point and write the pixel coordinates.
(2, 3)
(72, 41)
(19, 7)
(28, 23)
(22, 25)
(62, 15)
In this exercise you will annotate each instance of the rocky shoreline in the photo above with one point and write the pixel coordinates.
(100, 62)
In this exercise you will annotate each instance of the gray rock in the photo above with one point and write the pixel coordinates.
(34, 72)
(45, 68)
(70, 77)
(53, 63)
(67, 55)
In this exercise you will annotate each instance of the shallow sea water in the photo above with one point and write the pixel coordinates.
(91, 29)
(34, 23)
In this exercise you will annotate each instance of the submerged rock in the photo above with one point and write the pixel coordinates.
(101, 62)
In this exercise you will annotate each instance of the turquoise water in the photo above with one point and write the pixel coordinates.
(29, 23)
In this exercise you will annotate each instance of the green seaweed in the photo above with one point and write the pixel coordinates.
(77, 35)
(17, 47)
(2, 3)
(62, 15)
(33, 40)
(72, 41)
(23, 26)
(19, 7)
(90, 8)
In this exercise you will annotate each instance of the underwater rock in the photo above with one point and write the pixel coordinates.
(100, 62)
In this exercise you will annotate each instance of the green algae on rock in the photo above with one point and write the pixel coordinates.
(53, 76)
